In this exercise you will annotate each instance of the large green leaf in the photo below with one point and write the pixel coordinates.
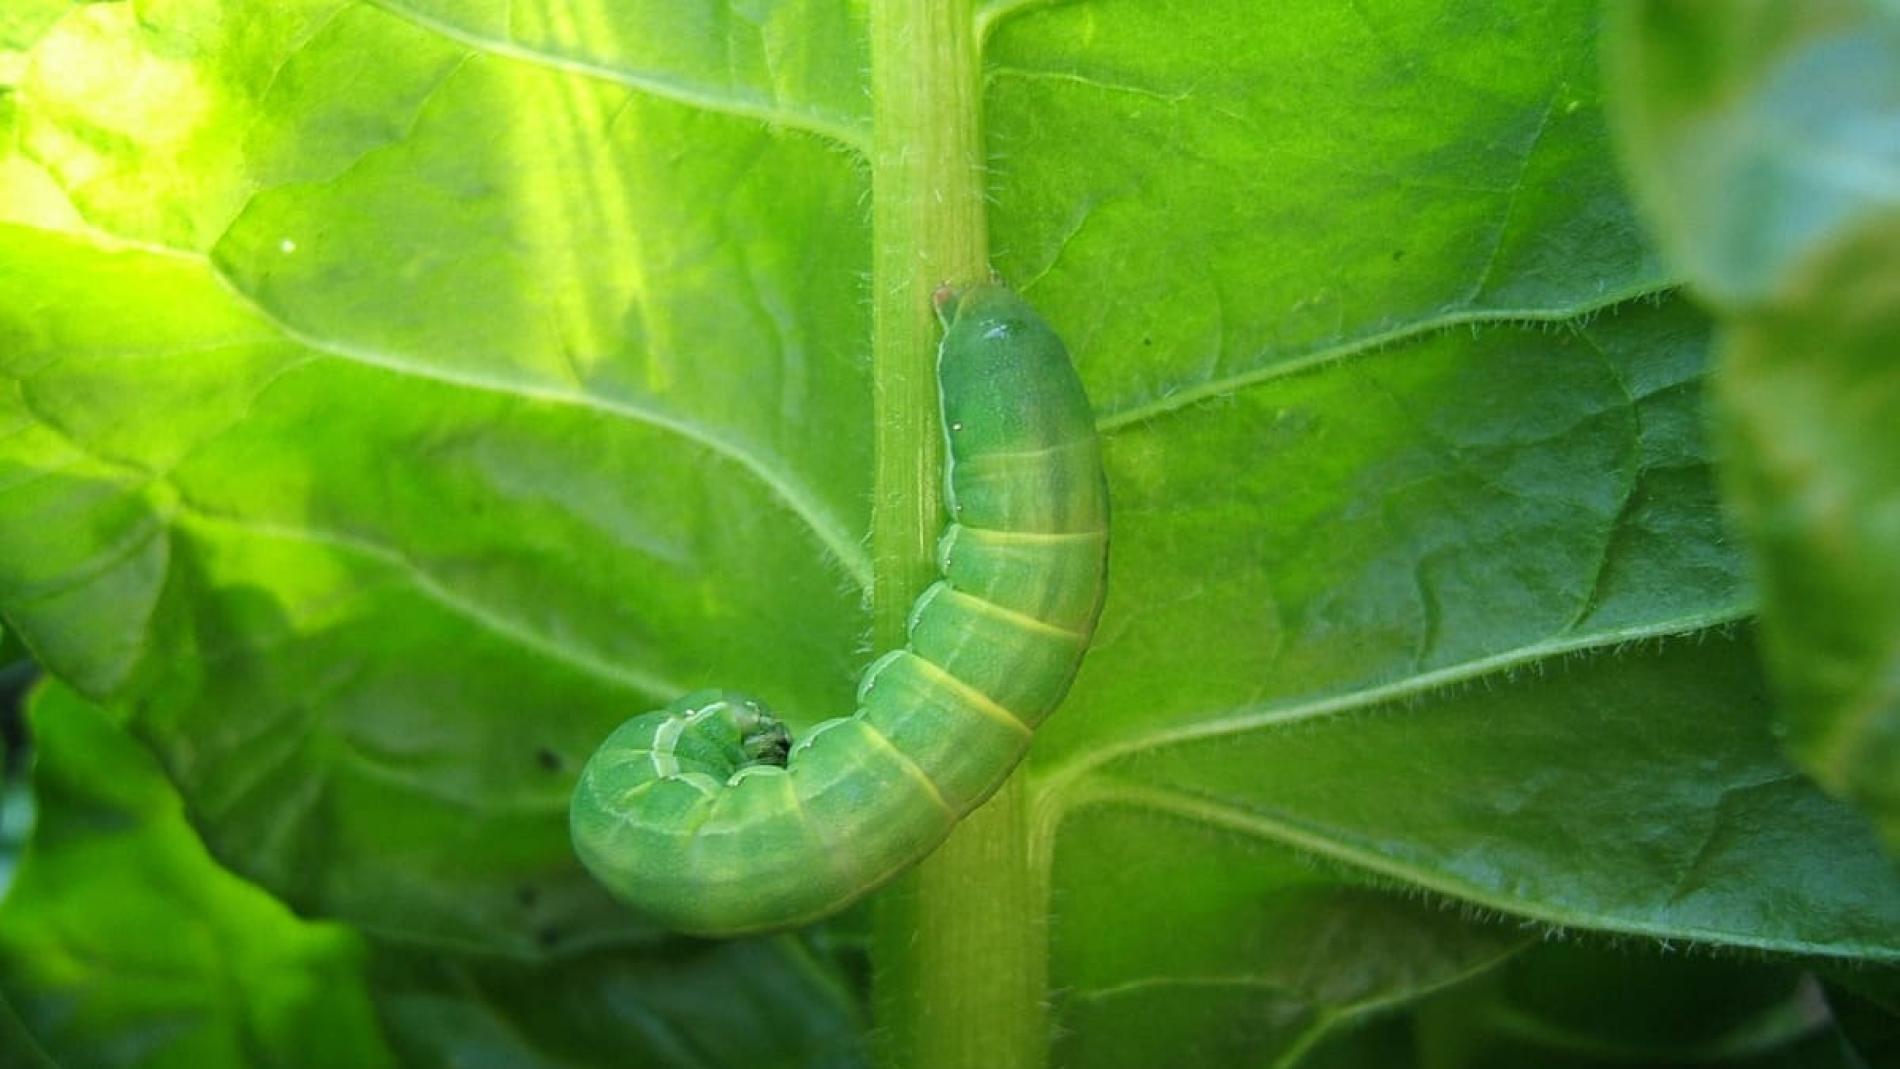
(402, 394)
(1793, 113)
(1563, 1007)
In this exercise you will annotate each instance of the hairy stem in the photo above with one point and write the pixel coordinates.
(958, 954)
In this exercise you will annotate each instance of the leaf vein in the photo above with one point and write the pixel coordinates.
(1107, 790)
(435, 590)
(833, 128)
(831, 533)
(1174, 401)
(1234, 722)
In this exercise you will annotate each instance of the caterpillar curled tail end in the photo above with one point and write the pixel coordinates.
(709, 817)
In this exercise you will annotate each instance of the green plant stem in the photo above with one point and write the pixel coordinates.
(958, 951)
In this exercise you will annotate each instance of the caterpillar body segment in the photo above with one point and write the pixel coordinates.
(706, 817)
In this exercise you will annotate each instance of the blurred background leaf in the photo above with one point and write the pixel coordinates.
(1765, 139)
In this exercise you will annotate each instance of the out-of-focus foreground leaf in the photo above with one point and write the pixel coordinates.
(402, 393)
(122, 943)
(1765, 138)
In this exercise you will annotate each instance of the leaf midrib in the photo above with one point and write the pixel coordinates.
(1061, 777)
(1103, 789)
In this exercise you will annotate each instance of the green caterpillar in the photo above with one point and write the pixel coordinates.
(705, 816)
